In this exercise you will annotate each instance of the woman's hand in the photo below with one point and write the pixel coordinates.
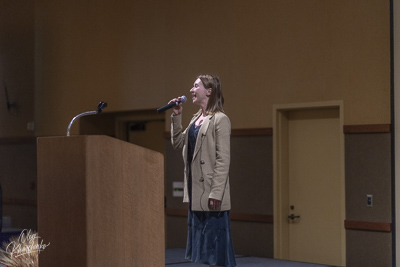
(214, 204)
(177, 108)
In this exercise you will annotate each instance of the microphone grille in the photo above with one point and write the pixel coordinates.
(183, 99)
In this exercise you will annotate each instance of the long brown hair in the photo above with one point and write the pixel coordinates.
(216, 99)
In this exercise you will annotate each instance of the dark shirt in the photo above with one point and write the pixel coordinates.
(193, 132)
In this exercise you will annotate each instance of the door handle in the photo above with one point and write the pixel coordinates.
(292, 216)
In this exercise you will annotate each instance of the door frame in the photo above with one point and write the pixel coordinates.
(281, 173)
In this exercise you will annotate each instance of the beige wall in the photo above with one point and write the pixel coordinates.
(17, 145)
(16, 67)
(60, 58)
(137, 55)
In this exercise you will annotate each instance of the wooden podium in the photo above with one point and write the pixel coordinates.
(100, 203)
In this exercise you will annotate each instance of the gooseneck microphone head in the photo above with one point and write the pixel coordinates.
(172, 104)
(100, 108)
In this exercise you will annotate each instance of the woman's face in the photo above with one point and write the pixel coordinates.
(200, 94)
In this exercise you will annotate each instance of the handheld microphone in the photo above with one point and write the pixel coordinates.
(172, 104)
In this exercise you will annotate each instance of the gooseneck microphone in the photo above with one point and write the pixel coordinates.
(172, 104)
(100, 108)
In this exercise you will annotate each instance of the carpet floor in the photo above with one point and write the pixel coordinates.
(176, 258)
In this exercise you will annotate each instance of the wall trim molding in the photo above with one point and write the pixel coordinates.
(17, 140)
(19, 201)
(367, 128)
(252, 132)
(368, 226)
(347, 129)
(241, 132)
(243, 217)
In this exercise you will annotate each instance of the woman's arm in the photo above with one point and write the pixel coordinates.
(177, 137)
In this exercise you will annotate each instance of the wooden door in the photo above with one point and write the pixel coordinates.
(313, 209)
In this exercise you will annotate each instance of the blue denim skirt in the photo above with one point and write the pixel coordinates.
(209, 238)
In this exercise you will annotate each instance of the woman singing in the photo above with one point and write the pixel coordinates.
(206, 155)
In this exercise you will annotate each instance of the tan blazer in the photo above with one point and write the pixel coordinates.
(211, 159)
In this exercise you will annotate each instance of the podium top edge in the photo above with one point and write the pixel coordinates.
(88, 138)
(75, 136)
(79, 137)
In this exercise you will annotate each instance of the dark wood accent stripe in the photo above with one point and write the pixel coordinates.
(370, 128)
(252, 217)
(234, 216)
(19, 201)
(17, 140)
(368, 226)
(347, 129)
(176, 212)
(350, 225)
(252, 132)
(240, 132)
